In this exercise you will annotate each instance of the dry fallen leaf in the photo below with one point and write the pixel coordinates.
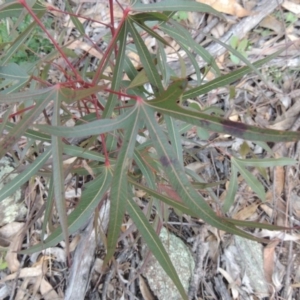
(269, 253)
(25, 272)
(11, 255)
(47, 291)
(246, 212)
(86, 47)
(291, 6)
(146, 293)
(230, 7)
(272, 23)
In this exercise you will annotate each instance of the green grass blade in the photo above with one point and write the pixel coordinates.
(154, 244)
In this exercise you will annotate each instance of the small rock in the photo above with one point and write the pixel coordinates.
(11, 208)
(161, 285)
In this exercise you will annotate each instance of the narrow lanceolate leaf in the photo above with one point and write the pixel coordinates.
(48, 208)
(179, 180)
(119, 188)
(225, 79)
(146, 59)
(83, 153)
(12, 78)
(175, 138)
(91, 196)
(91, 128)
(232, 188)
(14, 9)
(266, 162)
(253, 182)
(182, 207)
(58, 175)
(74, 19)
(154, 244)
(145, 169)
(20, 179)
(136, 19)
(177, 205)
(19, 129)
(117, 72)
(18, 42)
(166, 103)
(178, 5)
(39, 94)
(31, 134)
(150, 16)
(183, 37)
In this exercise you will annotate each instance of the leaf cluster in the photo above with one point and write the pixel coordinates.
(129, 121)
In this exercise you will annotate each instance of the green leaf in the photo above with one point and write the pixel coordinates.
(13, 9)
(232, 188)
(145, 57)
(118, 71)
(149, 16)
(178, 5)
(266, 162)
(119, 188)
(180, 182)
(20, 179)
(169, 201)
(27, 120)
(93, 193)
(91, 128)
(175, 138)
(253, 182)
(74, 19)
(154, 244)
(183, 37)
(38, 95)
(166, 103)
(18, 42)
(226, 79)
(12, 78)
(58, 176)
